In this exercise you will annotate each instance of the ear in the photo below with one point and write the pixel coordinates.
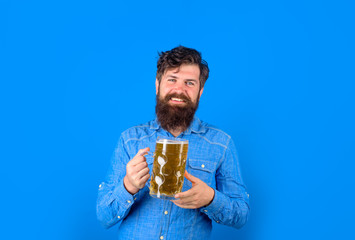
(156, 86)
(201, 92)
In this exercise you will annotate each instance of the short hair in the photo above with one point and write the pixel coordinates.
(179, 56)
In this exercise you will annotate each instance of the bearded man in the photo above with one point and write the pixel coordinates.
(213, 189)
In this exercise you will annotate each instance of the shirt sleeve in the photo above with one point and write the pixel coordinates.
(114, 201)
(230, 205)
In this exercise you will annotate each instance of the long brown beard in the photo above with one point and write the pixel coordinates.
(175, 117)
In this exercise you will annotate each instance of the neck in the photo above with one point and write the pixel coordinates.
(175, 132)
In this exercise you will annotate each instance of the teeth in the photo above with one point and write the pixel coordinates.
(177, 99)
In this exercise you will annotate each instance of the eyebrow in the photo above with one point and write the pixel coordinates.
(191, 80)
(171, 76)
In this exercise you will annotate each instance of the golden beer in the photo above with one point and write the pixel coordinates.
(168, 168)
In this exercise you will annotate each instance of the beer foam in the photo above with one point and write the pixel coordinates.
(170, 141)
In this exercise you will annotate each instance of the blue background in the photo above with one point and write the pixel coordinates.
(75, 74)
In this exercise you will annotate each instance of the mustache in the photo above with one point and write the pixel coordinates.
(176, 95)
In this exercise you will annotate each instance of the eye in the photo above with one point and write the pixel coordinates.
(190, 83)
(171, 80)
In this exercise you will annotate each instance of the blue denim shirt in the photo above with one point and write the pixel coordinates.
(212, 158)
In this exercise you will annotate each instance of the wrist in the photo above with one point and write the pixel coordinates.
(212, 193)
(129, 187)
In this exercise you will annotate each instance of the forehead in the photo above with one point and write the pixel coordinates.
(191, 71)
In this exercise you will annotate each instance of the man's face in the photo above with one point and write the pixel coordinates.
(178, 95)
(183, 81)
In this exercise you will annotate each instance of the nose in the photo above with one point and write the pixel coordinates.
(179, 87)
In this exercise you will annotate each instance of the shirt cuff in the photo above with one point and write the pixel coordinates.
(215, 206)
(123, 197)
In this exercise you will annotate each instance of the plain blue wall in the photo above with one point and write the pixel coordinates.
(75, 74)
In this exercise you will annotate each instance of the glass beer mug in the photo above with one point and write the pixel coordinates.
(168, 168)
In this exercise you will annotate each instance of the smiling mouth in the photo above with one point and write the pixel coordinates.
(174, 99)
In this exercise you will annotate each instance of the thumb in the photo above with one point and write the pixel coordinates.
(191, 178)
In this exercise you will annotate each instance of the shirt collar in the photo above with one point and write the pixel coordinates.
(154, 125)
(196, 126)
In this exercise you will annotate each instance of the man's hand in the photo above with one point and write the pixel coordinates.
(137, 172)
(198, 196)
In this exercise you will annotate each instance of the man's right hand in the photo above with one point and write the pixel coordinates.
(137, 172)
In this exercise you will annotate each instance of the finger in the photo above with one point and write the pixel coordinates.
(142, 173)
(185, 194)
(186, 201)
(183, 205)
(139, 166)
(191, 178)
(137, 159)
(143, 180)
(142, 152)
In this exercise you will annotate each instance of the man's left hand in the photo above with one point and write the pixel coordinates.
(198, 196)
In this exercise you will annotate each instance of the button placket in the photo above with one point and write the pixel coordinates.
(166, 209)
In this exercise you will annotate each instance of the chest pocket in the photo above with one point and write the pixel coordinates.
(202, 169)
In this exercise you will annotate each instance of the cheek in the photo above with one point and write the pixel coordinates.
(163, 92)
(166, 90)
(193, 95)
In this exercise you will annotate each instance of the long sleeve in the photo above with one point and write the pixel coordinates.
(114, 202)
(230, 205)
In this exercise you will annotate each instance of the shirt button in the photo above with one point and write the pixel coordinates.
(161, 237)
(118, 217)
(205, 210)
(217, 221)
(100, 185)
(128, 201)
(135, 199)
(166, 212)
(202, 165)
